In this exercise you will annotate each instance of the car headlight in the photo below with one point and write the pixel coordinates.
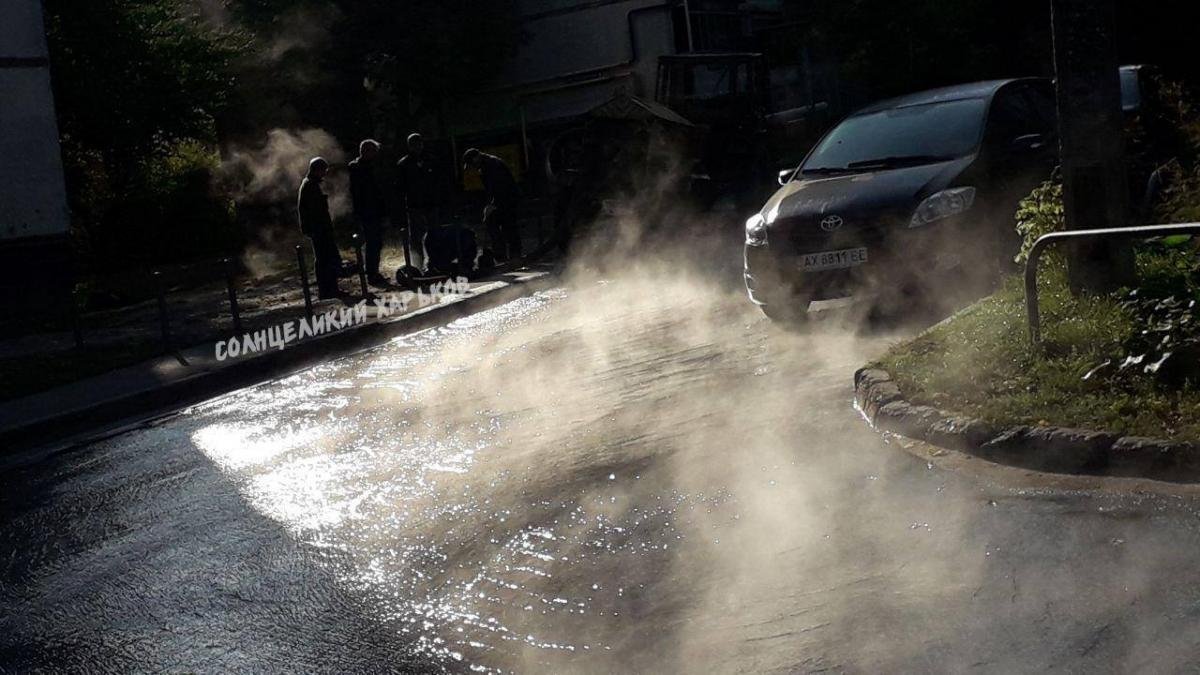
(756, 230)
(943, 205)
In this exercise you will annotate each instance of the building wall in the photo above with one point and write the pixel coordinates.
(577, 54)
(569, 37)
(33, 201)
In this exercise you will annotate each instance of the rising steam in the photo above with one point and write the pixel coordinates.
(268, 175)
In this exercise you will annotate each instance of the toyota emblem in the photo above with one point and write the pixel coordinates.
(831, 223)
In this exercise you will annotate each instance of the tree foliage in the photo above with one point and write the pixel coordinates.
(138, 85)
(132, 76)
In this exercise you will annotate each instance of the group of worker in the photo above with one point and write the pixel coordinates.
(416, 193)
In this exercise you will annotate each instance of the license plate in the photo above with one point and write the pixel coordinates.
(833, 260)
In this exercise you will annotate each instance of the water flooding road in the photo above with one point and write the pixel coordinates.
(620, 477)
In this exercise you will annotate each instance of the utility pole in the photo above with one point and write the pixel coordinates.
(1095, 190)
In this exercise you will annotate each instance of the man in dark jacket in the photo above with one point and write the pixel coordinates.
(421, 188)
(370, 206)
(313, 210)
(500, 214)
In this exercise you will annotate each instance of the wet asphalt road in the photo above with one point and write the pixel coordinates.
(627, 476)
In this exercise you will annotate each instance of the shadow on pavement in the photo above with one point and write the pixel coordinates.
(138, 556)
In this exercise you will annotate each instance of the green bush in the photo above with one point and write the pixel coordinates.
(1039, 214)
(172, 213)
(1180, 198)
(138, 87)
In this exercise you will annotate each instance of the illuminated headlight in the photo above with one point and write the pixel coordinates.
(943, 205)
(756, 231)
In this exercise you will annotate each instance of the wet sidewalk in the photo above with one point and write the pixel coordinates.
(276, 338)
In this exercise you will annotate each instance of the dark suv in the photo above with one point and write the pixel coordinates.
(901, 190)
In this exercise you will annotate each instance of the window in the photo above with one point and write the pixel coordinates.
(929, 132)
(1020, 110)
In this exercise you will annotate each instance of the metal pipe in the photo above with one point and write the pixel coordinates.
(362, 265)
(233, 300)
(576, 84)
(73, 316)
(308, 306)
(163, 318)
(1045, 241)
(524, 138)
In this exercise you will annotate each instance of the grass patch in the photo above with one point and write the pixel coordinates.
(1088, 372)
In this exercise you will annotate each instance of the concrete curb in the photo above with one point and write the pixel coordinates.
(1052, 449)
(44, 418)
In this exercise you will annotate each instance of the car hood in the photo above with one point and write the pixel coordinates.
(860, 196)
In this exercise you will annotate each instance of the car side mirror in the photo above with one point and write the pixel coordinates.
(785, 176)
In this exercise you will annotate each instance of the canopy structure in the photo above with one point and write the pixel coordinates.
(624, 106)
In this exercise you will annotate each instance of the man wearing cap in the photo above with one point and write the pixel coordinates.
(500, 213)
(315, 222)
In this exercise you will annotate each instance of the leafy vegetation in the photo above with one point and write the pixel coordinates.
(138, 86)
(148, 91)
(1127, 363)
(1101, 366)
(1039, 214)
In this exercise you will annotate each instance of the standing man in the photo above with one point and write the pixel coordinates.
(421, 189)
(500, 214)
(370, 207)
(315, 222)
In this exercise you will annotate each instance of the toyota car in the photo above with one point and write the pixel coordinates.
(901, 192)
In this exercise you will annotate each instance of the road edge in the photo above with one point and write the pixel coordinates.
(194, 388)
(1048, 449)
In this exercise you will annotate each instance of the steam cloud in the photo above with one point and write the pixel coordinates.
(640, 474)
(270, 174)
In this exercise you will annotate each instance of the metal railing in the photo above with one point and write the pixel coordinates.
(228, 271)
(1113, 233)
(159, 281)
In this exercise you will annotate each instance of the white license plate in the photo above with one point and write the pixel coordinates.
(833, 260)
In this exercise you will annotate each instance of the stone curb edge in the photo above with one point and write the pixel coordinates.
(248, 372)
(1051, 449)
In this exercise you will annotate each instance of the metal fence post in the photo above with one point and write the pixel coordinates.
(308, 307)
(362, 267)
(73, 317)
(233, 301)
(164, 319)
(1032, 311)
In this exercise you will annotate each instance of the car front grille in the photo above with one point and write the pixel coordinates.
(806, 236)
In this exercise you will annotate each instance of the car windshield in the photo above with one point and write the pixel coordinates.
(901, 136)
